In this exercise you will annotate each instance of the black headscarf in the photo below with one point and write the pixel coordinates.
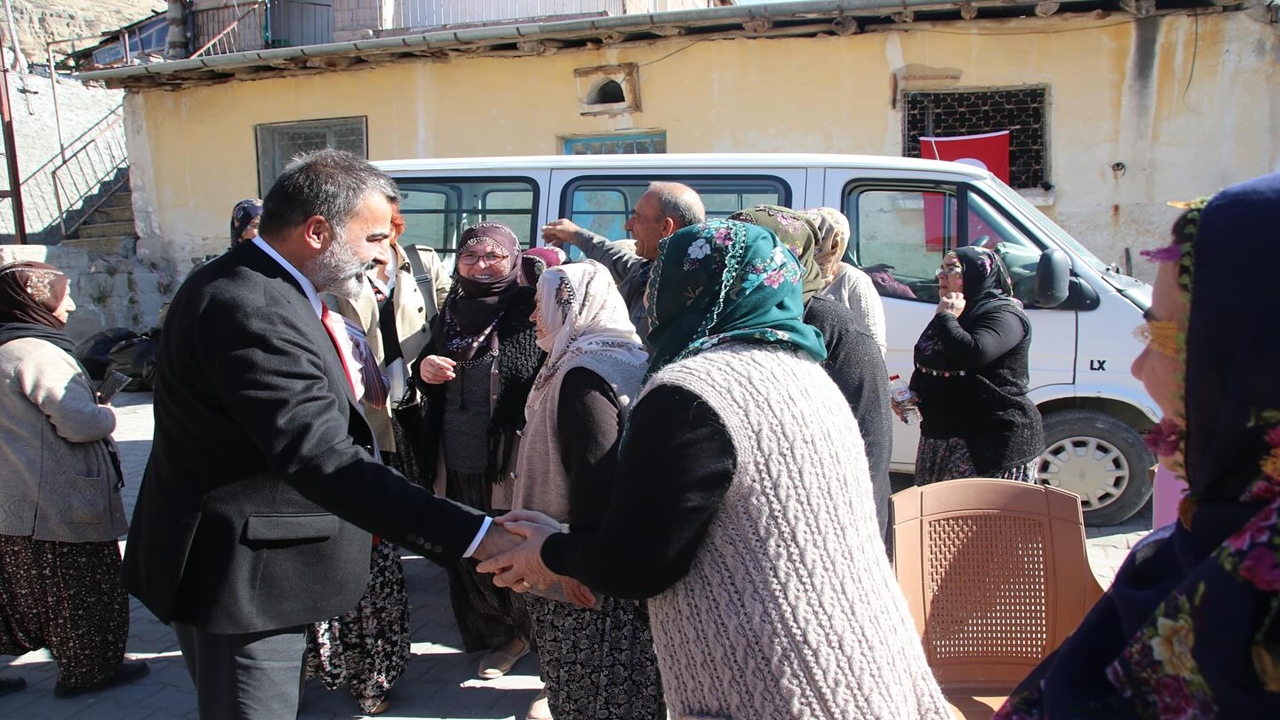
(30, 292)
(987, 288)
(1233, 353)
(473, 307)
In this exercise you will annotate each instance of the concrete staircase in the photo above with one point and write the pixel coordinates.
(109, 228)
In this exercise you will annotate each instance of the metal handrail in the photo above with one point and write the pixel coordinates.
(94, 185)
(98, 126)
(227, 30)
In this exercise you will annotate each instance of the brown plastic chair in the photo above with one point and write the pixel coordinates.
(996, 575)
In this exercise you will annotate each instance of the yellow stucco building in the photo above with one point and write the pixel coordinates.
(1134, 110)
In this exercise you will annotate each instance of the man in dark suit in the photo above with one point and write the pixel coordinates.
(255, 512)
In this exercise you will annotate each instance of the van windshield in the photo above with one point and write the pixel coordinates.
(1048, 225)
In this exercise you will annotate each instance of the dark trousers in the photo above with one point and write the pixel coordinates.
(249, 676)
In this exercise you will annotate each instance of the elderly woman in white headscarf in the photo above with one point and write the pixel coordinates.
(845, 283)
(596, 662)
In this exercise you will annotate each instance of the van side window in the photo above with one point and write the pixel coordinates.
(899, 236)
(436, 211)
(603, 204)
(988, 228)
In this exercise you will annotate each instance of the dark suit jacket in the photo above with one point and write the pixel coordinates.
(257, 503)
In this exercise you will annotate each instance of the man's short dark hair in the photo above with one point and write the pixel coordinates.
(329, 183)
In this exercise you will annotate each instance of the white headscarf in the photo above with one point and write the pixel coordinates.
(582, 313)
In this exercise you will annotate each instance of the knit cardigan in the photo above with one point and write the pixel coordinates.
(790, 609)
(57, 481)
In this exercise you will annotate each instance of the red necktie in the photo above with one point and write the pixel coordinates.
(337, 330)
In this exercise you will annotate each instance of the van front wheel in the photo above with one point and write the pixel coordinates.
(1099, 458)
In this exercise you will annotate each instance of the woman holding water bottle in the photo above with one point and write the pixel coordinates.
(970, 381)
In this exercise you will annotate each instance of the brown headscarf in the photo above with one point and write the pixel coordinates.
(473, 308)
(833, 239)
(30, 292)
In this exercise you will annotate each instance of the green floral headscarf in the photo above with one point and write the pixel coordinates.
(798, 232)
(725, 280)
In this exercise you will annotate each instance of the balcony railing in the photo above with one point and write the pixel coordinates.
(281, 23)
(416, 14)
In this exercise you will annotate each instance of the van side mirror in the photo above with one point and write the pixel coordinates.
(1053, 274)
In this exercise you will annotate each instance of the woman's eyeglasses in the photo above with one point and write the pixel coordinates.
(950, 270)
(489, 259)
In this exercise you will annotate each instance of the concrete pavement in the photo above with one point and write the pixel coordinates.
(440, 679)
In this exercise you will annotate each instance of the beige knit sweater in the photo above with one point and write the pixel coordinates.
(790, 610)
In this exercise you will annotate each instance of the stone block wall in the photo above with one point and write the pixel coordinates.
(110, 291)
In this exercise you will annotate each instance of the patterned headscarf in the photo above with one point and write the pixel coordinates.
(30, 292)
(241, 216)
(797, 232)
(582, 312)
(473, 307)
(535, 261)
(725, 280)
(833, 239)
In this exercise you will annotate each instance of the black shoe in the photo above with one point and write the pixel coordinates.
(9, 685)
(129, 671)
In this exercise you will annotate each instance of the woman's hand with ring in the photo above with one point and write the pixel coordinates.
(522, 569)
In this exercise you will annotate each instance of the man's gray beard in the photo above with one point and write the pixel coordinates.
(337, 270)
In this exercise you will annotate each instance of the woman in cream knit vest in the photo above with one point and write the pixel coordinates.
(742, 507)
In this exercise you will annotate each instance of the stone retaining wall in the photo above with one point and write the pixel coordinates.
(109, 291)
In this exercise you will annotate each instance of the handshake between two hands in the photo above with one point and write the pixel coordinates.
(512, 551)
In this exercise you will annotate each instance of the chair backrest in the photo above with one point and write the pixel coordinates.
(996, 575)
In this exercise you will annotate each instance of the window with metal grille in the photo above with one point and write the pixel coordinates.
(278, 143)
(629, 144)
(1021, 111)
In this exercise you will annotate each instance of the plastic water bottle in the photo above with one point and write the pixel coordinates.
(901, 394)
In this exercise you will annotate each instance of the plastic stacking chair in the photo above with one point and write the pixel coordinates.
(996, 575)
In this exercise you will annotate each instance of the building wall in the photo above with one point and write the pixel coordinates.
(1186, 109)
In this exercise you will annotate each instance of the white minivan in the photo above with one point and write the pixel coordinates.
(905, 214)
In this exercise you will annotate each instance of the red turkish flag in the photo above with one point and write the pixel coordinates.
(990, 151)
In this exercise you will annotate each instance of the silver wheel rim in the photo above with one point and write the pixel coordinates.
(1094, 469)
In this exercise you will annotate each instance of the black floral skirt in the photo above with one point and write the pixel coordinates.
(488, 616)
(938, 460)
(366, 650)
(66, 597)
(598, 664)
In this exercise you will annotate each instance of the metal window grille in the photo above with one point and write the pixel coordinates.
(1021, 111)
(280, 142)
(617, 144)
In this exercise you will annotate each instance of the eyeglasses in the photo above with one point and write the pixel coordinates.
(489, 259)
(950, 270)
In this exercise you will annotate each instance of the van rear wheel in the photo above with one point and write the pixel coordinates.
(1099, 458)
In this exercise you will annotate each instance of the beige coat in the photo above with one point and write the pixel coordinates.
(413, 313)
(57, 481)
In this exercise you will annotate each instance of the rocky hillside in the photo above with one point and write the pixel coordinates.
(39, 21)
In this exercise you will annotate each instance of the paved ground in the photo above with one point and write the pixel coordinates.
(440, 679)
